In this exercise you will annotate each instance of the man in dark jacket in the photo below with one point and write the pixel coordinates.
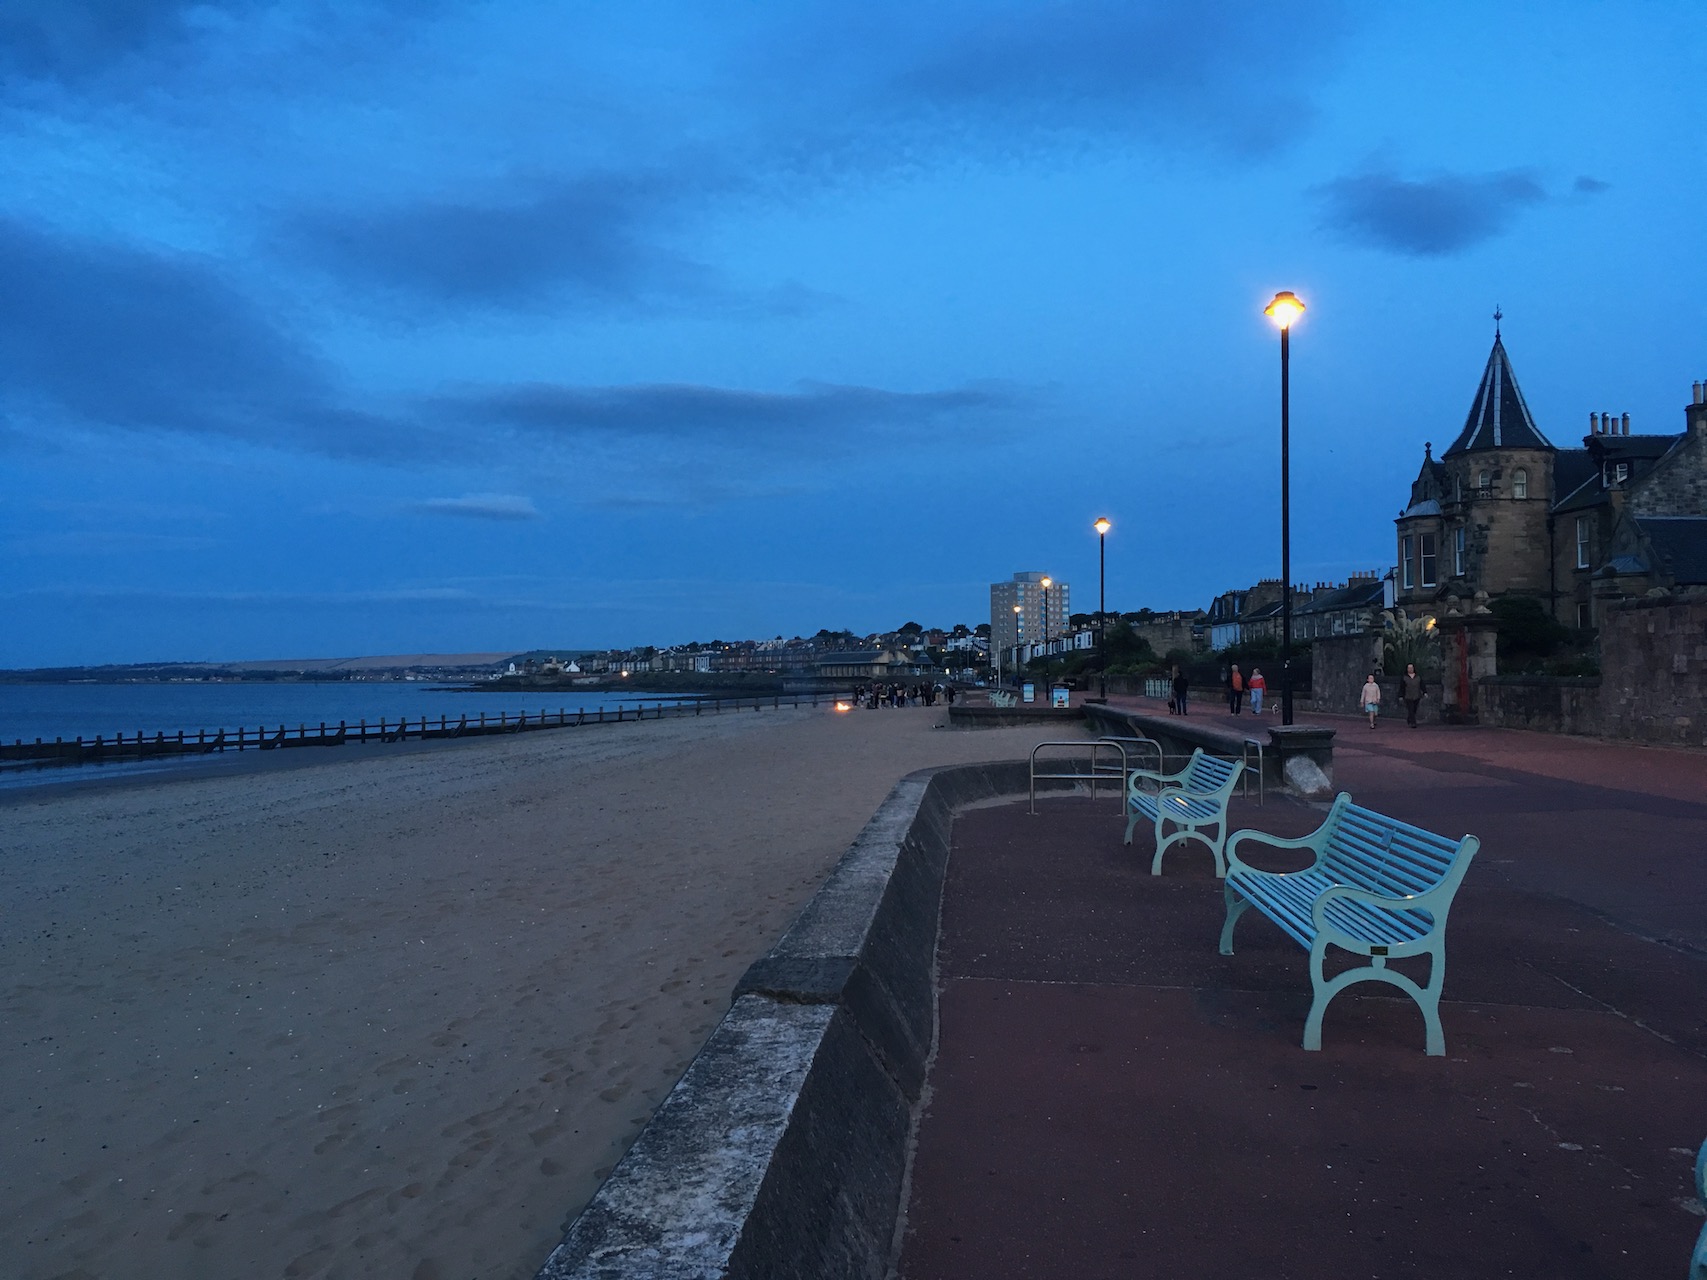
(1411, 690)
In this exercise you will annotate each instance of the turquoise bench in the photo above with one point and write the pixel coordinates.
(1379, 888)
(1698, 1259)
(1193, 800)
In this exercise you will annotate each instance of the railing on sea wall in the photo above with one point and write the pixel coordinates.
(142, 746)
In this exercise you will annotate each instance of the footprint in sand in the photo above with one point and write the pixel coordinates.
(306, 1264)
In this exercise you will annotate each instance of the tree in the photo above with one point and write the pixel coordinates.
(908, 629)
(1528, 634)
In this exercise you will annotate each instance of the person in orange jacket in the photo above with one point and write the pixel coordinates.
(1235, 691)
(1258, 686)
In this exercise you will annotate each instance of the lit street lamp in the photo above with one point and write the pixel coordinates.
(1283, 311)
(1102, 526)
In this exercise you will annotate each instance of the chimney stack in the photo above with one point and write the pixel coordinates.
(1626, 430)
(1698, 393)
(1594, 424)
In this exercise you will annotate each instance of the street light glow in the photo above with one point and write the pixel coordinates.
(1047, 583)
(1102, 525)
(1284, 309)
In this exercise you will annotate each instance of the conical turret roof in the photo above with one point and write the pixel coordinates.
(1499, 419)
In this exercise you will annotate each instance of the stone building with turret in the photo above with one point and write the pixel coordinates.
(1504, 511)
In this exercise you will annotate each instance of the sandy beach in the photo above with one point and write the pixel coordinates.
(396, 1015)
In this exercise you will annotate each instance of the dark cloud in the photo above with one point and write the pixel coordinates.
(1587, 186)
(594, 236)
(833, 89)
(479, 506)
(807, 418)
(1427, 217)
(1235, 73)
(67, 40)
(101, 335)
(97, 335)
(117, 335)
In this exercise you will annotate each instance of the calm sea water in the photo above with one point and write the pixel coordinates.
(48, 711)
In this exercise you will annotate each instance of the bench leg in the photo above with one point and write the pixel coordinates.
(1191, 831)
(1427, 998)
(1132, 817)
(1236, 907)
(1217, 846)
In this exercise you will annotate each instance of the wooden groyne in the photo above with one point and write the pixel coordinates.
(144, 746)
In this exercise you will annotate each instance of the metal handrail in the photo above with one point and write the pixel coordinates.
(1139, 740)
(1244, 774)
(1092, 777)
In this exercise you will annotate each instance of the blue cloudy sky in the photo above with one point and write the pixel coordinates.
(337, 327)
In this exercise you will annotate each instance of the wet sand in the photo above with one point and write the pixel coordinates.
(396, 1015)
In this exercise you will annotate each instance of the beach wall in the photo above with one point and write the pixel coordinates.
(782, 1151)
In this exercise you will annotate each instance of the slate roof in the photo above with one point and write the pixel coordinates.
(1576, 472)
(1357, 595)
(1681, 541)
(1572, 469)
(1499, 419)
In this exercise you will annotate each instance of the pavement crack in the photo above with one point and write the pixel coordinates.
(1613, 1009)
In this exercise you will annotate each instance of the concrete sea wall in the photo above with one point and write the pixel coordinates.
(782, 1151)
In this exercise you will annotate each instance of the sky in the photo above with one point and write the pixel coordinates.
(398, 326)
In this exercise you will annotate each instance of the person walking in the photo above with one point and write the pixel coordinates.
(1235, 691)
(1371, 698)
(1181, 686)
(1257, 685)
(1411, 690)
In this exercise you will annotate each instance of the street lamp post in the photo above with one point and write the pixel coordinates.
(1102, 526)
(1019, 619)
(1285, 309)
(1047, 583)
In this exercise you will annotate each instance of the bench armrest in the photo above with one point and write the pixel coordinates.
(1315, 841)
(1235, 863)
(1155, 775)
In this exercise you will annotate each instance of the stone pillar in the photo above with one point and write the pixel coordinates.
(1303, 758)
(1467, 655)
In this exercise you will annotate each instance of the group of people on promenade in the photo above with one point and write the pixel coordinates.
(901, 695)
(1243, 691)
(1238, 690)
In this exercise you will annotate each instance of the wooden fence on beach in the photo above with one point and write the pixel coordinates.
(143, 746)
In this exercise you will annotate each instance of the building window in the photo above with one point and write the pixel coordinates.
(1583, 622)
(1408, 563)
(1458, 488)
(1483, 480)
(1458, 552)
(1427, 554)
(1582, 542)
(1520, 483)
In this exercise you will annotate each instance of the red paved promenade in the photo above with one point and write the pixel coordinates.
(1111, 1097)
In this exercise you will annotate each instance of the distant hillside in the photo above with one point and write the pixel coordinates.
(384, 662)
(456, 665)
